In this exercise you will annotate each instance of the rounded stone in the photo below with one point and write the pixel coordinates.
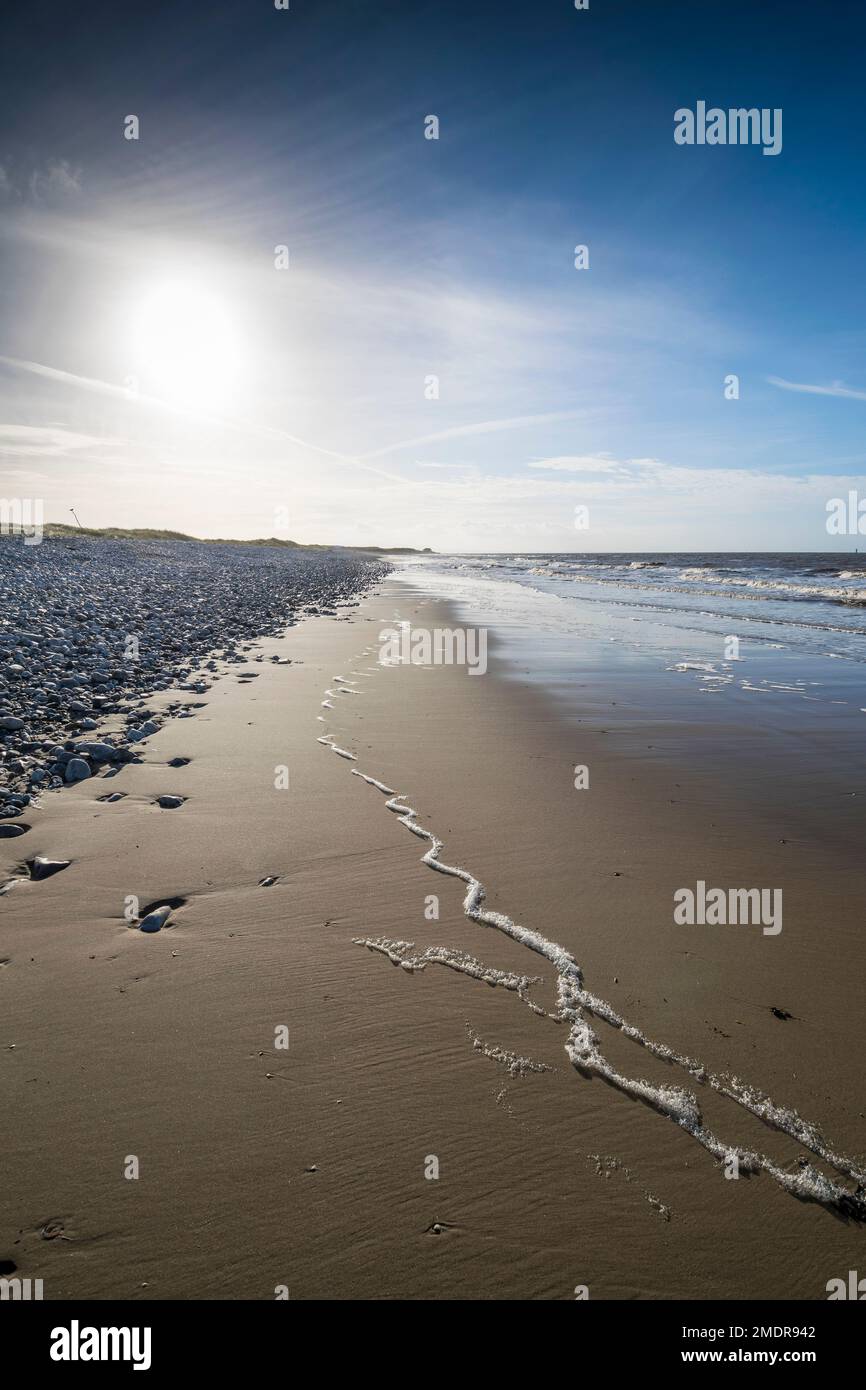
(77, 770)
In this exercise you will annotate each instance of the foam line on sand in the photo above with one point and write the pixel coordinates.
(583, 1048)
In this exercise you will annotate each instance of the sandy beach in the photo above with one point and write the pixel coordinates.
(432, 651)
(425, 1133)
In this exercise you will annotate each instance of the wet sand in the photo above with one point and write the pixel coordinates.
(305, 1169)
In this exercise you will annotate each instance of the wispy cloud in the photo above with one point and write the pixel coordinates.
(836, 388)
(49, 183)
(58, 178)
(513, 422)
(692, 507)
(47, 441)
(107, 388)
(84, 383)
(593, 463)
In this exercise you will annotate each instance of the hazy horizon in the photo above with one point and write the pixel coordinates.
(398, 546)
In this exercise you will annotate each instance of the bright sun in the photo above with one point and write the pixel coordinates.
(185, 346)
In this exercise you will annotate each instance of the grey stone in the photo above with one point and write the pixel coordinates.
(11, 832)
(156, 920)
(100, 752)
(77, 770)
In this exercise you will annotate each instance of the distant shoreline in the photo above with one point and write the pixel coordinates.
(61, 531)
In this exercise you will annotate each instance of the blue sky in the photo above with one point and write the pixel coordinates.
(158, 370)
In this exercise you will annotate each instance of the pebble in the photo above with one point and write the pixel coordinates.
(99, 752)
(77, 769)
(171, 803)
(136, 735)
(155, 921)
(71, 604)
(10, 832)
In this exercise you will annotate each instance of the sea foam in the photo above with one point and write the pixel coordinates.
(583, 1048)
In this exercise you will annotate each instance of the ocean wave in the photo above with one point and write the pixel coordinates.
(699, 581)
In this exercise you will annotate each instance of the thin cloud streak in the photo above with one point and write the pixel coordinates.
(837, 389)
(122, 393)
(514, 422)
(48, 442)
(591, 463)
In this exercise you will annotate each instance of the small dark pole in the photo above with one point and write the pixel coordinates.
(80, 527)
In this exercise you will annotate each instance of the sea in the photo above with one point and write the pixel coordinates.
(756, 663)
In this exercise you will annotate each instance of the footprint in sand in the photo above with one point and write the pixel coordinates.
(54, 1230)
(174, 903)
(41, 868)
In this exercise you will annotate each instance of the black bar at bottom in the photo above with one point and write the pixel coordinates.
(226, 1337)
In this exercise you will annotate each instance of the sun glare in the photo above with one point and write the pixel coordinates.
(185, 346)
